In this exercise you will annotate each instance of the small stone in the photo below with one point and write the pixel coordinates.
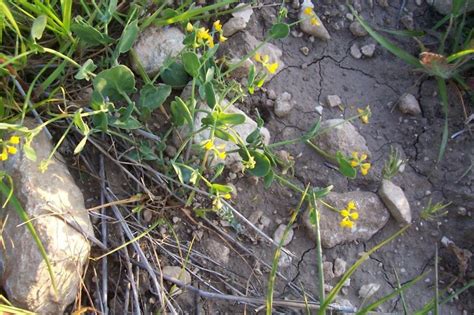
(383, 3)
(233, 25)
(344, 291)
(328, 287)
(462, 211)
(357, 29)
(355, 51)
(419, 2)
(339, 267)
(328, 270)
(176, 220)
(350, 17)
(408, 104)
(243, 11)
(295, 4)
(271, 94)
(347, 283)
(408, 22)
(198, 234)
(283, 105)
(265, 221)
(395, 200)
(314, 29)
(217, 251)
(285, 260)
(333, 100)
(304, 50)
(170, 150)
(444, 7)
(177, 273)
(368, 290)
(147, 215)
(319, 110)
(368, 50)
(278, 235)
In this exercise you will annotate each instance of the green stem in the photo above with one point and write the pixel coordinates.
(319, 251)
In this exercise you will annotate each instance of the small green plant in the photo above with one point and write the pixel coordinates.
(393, 164)
(435, 211)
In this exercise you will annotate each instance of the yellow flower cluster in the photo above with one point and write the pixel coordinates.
(313, 18)
(358, 161)
(364, 114)
(265, 61)
(218, 150)
(203, 37)
(349, 215)
(217, 202)
(9, 147)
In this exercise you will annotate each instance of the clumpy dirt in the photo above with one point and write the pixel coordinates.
(329, 69)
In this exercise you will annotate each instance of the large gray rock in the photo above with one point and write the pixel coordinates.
(340, 135)
(372, 217)
(314, 29)
(395, 200)
(156, 44)
(50, 199)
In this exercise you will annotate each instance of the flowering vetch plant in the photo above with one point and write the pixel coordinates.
(349, 215)
(265, 61)
(358, 161)
(364, 114)
(218, 150)
(9, 147)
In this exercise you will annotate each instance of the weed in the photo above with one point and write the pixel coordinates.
(434, 211)
(393, 164)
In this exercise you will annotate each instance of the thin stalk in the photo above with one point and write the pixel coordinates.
(319, 251)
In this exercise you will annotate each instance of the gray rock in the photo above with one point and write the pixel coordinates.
(243, 11)
(278, 235)
(333, 100)
(285, 260)
(368, 290)
(355, 51)
(368, 50)
(341, 136)
(317, 30)
(177, 273)
(217, 251)
(328, 270)
(283, 105)
(372, 217)
(243, 43)
(408, 104)
(154, 45)
(408, 22)
(340, 266)
(51, 199)
(271, 94)
(383, 3)
(444, 6)
(234, 25)
(357, 29)
(394, 198)
(242, 71)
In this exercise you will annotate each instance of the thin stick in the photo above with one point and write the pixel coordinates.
(103, 230)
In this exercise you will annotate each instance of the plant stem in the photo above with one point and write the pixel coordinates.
(319, 252)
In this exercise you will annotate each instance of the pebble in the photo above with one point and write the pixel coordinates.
(333, 100)
(408, 104)
(462, 211)
(147, 215)
(304, 50)
(271, 94)
(368, 290)
(395, 200)
(319, 109)
(328, 270)
(408, 22)
(340, 266)
(350, 17)
(357, 29)
(285, 260)
(176, 220)
(355, 51)
(283, 105)
(368, 50)
(234, 25)
(278, 235)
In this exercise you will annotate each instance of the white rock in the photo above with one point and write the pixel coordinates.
(278, 235)
(319, 109)
(408, 104)
(355, 51)
(394, 198)
(340, 266)
(243, 11)
(368, 290)
(357, 29)
(328, 270)
(318, 30)
(23, 271)
(217, 251)
(234, 25)
(177, 273)
(156, 44)
(285, 260)
(333, 100)
(368, 50)
(283, 105)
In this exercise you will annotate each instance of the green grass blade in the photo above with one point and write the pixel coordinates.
(66, 8)
(354, 267)
(392, 294)
(443, 93)
(5, 10)
(397, 51)
(459, 54)
(8, 193)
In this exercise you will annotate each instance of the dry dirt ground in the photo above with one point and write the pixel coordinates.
(378, 81)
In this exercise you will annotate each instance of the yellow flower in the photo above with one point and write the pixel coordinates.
(221, 154)
(222, 38)
(250, 163)
(351, 205)
(227, 196)
(349, 215)
(364, 114)
(217, 203)
(218, 26)
(210, 42)
(258, 57)
(4, 154)
(11, 150)
(272, 68)
(354, 215)
(358, 161)
(346, 223)
(14, 140)
(265, 61)
(208, 144)
(314, 21)
(189, 27)
(308, 11)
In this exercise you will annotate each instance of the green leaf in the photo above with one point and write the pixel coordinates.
(80, 124)
(86, 70)
(268, 179)
(80, 146)
(397, 51)
(175, 75)
(459, 54)
(152, 97)
(129, 35)
(30, 153)
(443, 93)
(113, 82)
(128, 123)
(345, 166)
(191, 63)
(180, 112)
(279, 30)
(224, 135)
(322, 192)
(39, 24)
(262, 164)
(210, 95)
(88, 34)
(218, 188)
(230, 119)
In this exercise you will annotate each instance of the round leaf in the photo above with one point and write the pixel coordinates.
(175, 75)
(112, 83)
(279, 30)
(262, 164)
